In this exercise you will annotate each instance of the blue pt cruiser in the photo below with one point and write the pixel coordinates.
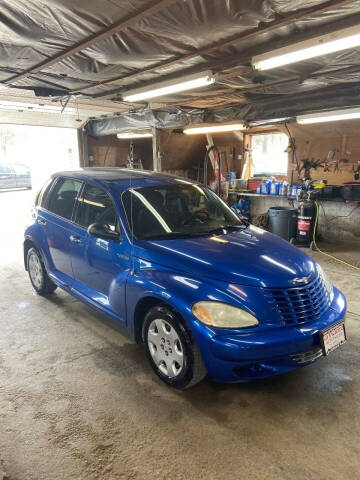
(168, 260)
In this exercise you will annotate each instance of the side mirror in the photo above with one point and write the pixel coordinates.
(102, 230)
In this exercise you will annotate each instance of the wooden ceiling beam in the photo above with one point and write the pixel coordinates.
(249, 34)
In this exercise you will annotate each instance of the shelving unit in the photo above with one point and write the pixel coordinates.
(249, 194)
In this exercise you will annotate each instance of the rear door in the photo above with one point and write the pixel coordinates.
(100, 266)
(56, 222)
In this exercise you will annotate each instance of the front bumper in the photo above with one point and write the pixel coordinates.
(237, 357)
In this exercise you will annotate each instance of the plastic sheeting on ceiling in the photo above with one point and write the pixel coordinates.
(32, 31)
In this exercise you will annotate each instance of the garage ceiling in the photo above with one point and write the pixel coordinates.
(89, 53)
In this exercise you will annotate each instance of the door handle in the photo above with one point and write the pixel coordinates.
(41, 221)
(75, 239)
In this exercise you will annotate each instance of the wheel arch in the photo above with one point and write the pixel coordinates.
(141, 309)
(27, 245)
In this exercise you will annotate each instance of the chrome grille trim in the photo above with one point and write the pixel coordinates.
(309, 356)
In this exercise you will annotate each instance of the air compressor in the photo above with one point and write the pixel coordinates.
(305, 223)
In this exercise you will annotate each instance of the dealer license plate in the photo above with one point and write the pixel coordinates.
(332, 337)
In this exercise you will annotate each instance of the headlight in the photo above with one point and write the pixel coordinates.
(222, 315)
(326, 280)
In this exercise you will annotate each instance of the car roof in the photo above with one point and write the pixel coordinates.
(123, 178)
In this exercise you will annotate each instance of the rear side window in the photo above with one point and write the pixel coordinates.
(96, 206)
(62, 198)
(42, 195)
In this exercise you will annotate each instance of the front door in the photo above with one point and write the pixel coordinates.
(100, 266)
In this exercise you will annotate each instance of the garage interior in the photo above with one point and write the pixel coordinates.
(77, 398)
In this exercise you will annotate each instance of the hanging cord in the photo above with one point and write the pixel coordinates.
(217, 159)
(318, 249)
(292, 140)
(106, 154)
(328, 220)
(131, 155)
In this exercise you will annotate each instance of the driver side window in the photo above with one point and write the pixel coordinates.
(95, 206)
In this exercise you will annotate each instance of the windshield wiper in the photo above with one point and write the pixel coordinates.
(225, 228)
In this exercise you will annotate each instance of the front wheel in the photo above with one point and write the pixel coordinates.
(172, 354)
(37, 273)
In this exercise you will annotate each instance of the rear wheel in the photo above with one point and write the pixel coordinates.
(37, 273)
(172, 354)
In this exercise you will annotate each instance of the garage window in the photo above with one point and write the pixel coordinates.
(63, 197)
(268, 154)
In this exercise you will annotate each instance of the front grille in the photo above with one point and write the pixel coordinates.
(299, 304)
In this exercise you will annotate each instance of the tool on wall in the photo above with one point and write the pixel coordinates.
(232, 158)
(332, 154)
(356, 171)
(308, 164)
(337, 168)
(132, 161)
(291, 149)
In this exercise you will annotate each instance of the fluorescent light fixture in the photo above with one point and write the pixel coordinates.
(84, 109)
(214, 129)
(323, 45)
(129, 135)
(330, 116)
(180, 85)
(35, 107)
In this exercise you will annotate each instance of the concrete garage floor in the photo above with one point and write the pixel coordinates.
(78, 400)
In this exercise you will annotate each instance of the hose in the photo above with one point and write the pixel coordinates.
(318, 249)
(331, 256)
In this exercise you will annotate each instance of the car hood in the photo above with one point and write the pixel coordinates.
(247, 257)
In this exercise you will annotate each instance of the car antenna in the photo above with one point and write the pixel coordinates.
(131, 159)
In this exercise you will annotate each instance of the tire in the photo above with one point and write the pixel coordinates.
(37, 273)
(174, 357)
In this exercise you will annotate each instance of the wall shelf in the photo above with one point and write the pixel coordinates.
(335, 199)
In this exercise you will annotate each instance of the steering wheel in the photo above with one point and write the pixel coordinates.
(201, 214)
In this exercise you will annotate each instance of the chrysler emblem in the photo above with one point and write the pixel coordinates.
(299, 280)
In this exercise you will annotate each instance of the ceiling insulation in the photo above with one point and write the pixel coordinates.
(90, 52)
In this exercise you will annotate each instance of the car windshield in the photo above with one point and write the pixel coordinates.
(176, 211)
